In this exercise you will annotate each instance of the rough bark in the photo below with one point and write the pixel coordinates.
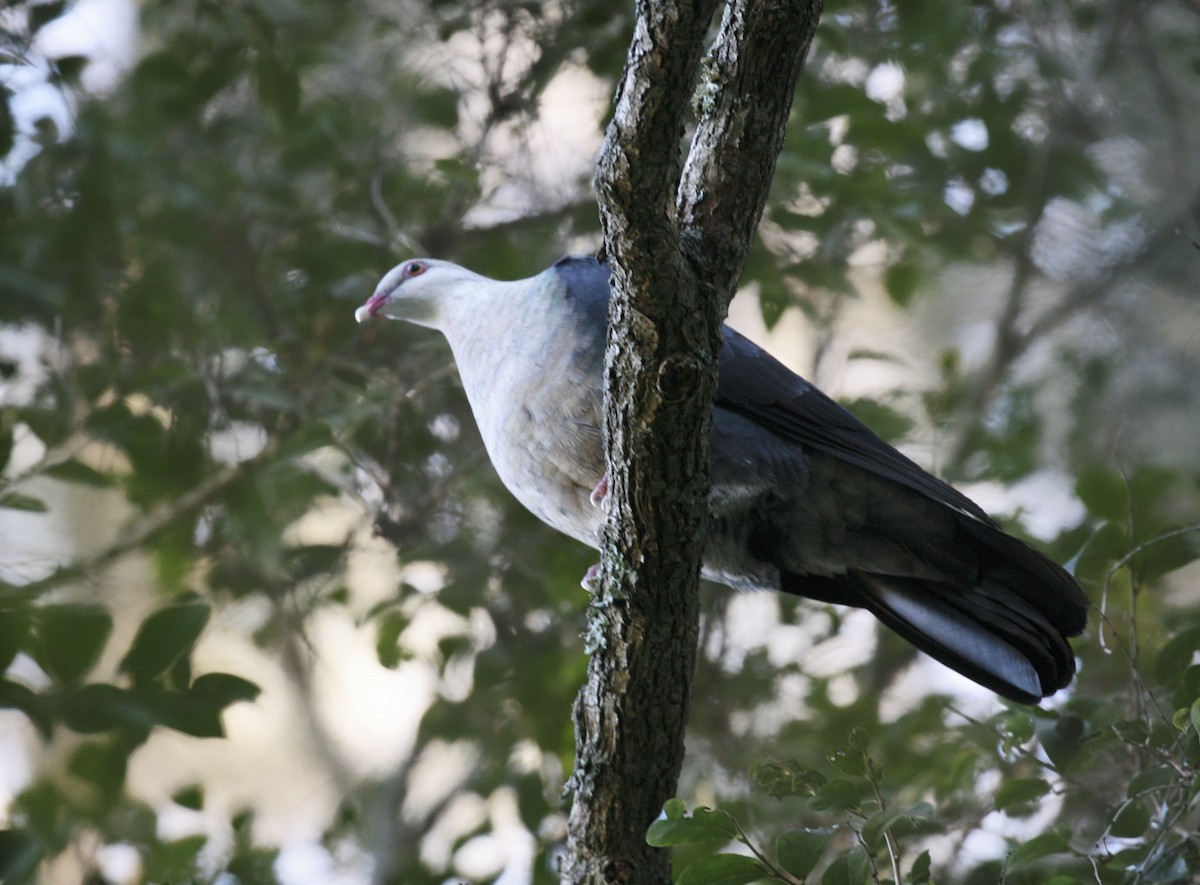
(676, 235)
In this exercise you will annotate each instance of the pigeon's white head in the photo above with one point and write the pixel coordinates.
(420, 290)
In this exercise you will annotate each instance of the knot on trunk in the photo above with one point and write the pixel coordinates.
(679, 377)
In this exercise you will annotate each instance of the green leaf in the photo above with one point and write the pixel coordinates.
(191, 713)
(722, 869)
(14, 696)
(8, 131)
(101, 707)
(437, 107)
(14, 632)
(20, 854)
(278, 86)
(1036, 849)
(704, 825)
(799, 851)
(71, 638)
(1105, 547)
(1131, 821)
(387, 641)
(883, 419)
(822, 275)
(851, 868)
(837, 795)
(219, 690)
(901, 282)
(849, 761)
(163, 637)
(78, 472)
(675, 809)
(1103, 492)
(8, 415)
(921, 872)
(27, 503)
(1019, 791)
(103, 765)
(879, 823)
(189, 797)
(1152, 779)
(174, 861)
(1177, 655)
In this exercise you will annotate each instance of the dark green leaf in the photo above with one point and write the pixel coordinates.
(851, 868)
(101, 707)
(722, 869)
(704, 825)
(219, 690)
(195, 713)
(14, 696)
(7, 139)
(1154, 778)
(1037, 848)
(837, 795)
(189, 797)
(18, 501)
(1105, 547)
(77, 471)
(8, 415)
(849, 762)
(920, 874)
(1019, 791)
(278, 86)
(1131, 821)
(20, 854)
(101, 765)
(799, 851)
(174, 861)
(877, 824)
(387, 642)
(437, 107)
(163, 637)
(901, 281)
(883, 419)
(14, 633)
(1177, 655)
(71, 638)
(1104, 492)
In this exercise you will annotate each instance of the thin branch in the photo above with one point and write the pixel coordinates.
(146, 530)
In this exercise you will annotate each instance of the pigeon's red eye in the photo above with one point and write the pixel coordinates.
(414, 268)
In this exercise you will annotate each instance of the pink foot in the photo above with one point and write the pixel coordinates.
(599, 495)
(590, 577)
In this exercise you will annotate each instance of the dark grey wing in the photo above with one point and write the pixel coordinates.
(982, 602)
(755, 384)
(976, 599)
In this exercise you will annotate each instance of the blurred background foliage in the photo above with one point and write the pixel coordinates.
(267, 615)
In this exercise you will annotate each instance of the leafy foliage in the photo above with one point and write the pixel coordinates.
(188, 412)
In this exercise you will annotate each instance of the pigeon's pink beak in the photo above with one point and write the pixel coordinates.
(371, 308)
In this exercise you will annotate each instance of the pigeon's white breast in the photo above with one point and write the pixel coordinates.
(537, 403)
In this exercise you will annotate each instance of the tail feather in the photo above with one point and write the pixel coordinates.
(1004, 626)
(1020, 658)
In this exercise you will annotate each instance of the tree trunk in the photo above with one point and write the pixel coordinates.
(676, 235)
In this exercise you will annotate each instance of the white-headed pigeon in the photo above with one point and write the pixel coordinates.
(804, 498)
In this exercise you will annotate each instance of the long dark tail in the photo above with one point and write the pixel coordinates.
(1005, 626)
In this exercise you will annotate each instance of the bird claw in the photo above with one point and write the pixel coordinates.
(599, 495)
